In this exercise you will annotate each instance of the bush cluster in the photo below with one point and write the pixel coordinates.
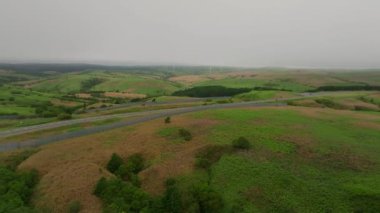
(47, 110)
(211, 91)
(86, 85)
(16, 189)
(129, 170)
(121, 196)
(122, 193)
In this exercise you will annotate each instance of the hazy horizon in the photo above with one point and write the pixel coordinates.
(242, 33)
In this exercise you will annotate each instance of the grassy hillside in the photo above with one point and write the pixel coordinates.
(20, 101)
(150, 85)
(360, 101)
(300, 160)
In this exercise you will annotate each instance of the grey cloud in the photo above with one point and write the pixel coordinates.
(323, 33)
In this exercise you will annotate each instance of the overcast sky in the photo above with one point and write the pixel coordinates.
(293, 33)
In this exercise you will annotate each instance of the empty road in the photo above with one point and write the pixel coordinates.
(140, 118)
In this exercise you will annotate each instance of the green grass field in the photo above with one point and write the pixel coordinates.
(262, 95)
(18, 100)
(296, 164)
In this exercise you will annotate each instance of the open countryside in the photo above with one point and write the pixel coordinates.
(309, 136)
(190, 106)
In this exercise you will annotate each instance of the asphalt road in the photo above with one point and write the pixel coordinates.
(140, 118)
(51, 125)
(144, 116)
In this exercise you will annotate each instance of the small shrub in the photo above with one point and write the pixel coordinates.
(167, 120)
(115, 162)
(241, 143)
(74, 207)
(185, 134)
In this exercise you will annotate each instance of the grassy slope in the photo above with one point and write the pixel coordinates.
(289, 79)
(253, 82)
(346, 100)
(112, 81)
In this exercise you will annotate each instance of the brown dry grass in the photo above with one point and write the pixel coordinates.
(83, 95)
(314, 79)
(302, 77)
(69, 170)
(345, 158)
(375, 95)
(64, 103)
(124, 95)
(192, 79)
(352, 103)
(367, 124)
(188, 79)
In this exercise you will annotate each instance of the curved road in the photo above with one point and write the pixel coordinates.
(144, 116)
(51, 125)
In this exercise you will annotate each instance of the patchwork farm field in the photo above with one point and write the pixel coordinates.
(300, 159)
